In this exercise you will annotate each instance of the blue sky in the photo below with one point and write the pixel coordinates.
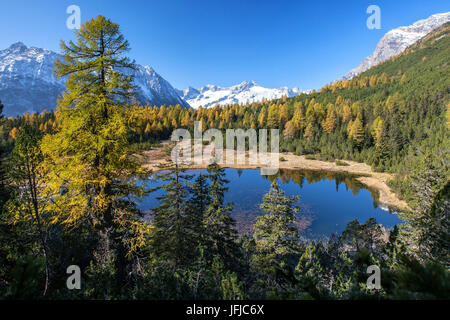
(275, 43)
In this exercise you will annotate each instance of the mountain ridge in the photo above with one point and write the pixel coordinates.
(397, 40)
(27, 81)
(246, 91)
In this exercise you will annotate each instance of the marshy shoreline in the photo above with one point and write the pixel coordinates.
(156, 159)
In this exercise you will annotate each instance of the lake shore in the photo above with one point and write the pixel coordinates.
(155, 159)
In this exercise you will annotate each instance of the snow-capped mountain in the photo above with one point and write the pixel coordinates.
(154, 89)
(211, 95)
(27, 82)
(397, 40)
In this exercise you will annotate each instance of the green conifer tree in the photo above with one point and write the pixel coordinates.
(172, 237)
(221, 233)
(276, 242)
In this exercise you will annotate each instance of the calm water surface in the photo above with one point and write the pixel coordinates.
(328, 200)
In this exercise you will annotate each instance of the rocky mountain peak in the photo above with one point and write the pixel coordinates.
(28, 83)
(397, 40)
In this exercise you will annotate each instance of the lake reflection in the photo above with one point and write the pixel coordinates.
(328, 200)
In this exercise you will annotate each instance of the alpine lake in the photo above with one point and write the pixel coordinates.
(328, 200)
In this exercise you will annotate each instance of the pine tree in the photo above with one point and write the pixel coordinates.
(276, 240)
(309, 271)
(262, 118)
(427, 232)
(88, 173)
(198, 206)
(289, 130)
(346, 114)
(357, 131)
(221, 235)
(283, 116)
(309, 131)
(200, 195)
(377, 128)
(382, 150)
(330, 122)
(298, 118)
(367, 236)
(172, 225)
(273, 117)
(147, 128)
